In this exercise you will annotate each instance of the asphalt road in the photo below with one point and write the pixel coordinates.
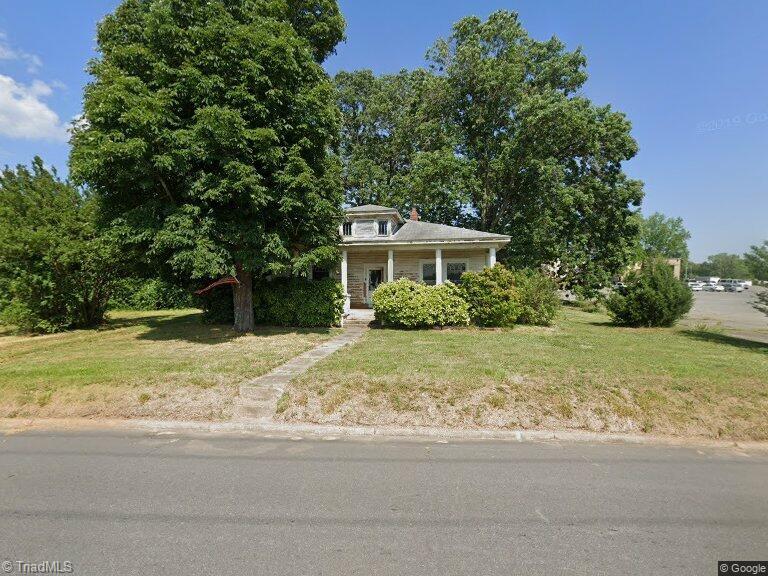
(149, 504)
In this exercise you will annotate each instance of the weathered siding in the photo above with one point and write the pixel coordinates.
(407, 265)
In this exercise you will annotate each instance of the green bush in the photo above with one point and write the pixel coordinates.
(492, 296)
(298, 302)
(538, 299)
(57, 266)
(149, 294)
(282, 302)
(652, 297)
(410, 304)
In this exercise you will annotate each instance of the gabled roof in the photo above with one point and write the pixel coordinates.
(416, 231)
(420, 231)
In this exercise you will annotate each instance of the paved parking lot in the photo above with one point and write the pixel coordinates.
(730, 310)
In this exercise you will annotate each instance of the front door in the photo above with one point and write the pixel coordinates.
(373, 277)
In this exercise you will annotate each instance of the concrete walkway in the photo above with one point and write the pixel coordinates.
(258, 397)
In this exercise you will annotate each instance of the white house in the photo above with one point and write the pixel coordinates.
(378, 245)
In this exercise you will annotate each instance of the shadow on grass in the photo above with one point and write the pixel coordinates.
(190, 328)
(720, 338)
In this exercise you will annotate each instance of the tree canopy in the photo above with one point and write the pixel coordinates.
(57, 268)
(207, 132)
(723, 265)
(496, 135)
(757, 260)
(666, 237)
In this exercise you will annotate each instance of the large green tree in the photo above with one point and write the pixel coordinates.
(57, 267)
(207, 135)
(666, 237)
(723, 265)
(499, 118)
(396, 150)
(757, 260)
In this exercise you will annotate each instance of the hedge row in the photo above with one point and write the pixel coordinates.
(283, 302)
(152, 294)
(494, 297)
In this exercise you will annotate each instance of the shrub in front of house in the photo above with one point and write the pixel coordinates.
(492, 296)
(409, 304)
(537, 297)
(282, 302)
(298, 302)
(652, 297)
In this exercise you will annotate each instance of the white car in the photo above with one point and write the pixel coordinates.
(696, 286)
(714, 287)
(735, 284)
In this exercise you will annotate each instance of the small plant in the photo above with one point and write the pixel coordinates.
(652, 297)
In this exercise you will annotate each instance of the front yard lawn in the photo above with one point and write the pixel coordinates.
(141, 365)
(581, 373)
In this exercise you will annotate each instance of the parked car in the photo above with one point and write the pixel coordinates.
(734, 283)
(696, 286)
(714, 287)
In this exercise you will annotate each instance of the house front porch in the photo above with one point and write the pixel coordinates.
(363, 268)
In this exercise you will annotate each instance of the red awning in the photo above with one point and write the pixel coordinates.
(227, 280)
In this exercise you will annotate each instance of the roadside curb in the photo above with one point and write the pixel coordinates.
(320, 431)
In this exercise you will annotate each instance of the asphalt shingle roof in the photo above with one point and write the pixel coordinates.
(420, 231)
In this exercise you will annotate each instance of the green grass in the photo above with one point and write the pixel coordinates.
(140, 364)
(580, 373)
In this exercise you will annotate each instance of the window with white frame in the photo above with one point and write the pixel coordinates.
(383, 227)
(454, 270)
(428, 273)
(346, 229)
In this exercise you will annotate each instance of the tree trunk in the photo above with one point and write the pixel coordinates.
(242, 298)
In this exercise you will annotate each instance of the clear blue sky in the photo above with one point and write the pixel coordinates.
(691, 76)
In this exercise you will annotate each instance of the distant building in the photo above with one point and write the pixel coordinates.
(675, 263)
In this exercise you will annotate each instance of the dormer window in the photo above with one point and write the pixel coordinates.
(383, 228)
(346, 229)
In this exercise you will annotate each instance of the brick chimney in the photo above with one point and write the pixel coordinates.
(414, 214)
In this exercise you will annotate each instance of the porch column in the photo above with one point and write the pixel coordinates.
(491, 257)
(438, 266)
(390, 265)
(344, 280)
